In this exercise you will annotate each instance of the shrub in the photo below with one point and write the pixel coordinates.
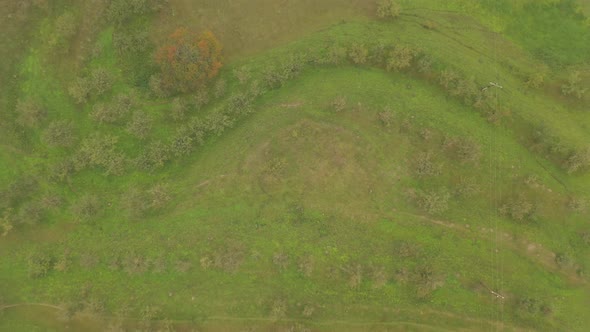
(281, 260)
(573, 86)
(154, 157)
(80, 89)
(86, 208)
(535, 80)
(468, 151)
(305, 265)
(129, 42)
(424, 165)
(190, 61)
(157, 87)
(59, 133)
(578, 160)
(99, 150)
(278, 308)
(31, 213)
(434, 202)
(388, 9)
(7, 222)
(355, 276)
(65, 29)
(518, 209)
(380, 277)
(425, 64)
(400, 58)
(230, 258)
(335, 55)
(386, 118)
(29, 113)
(219, 88)
(178, 109)
(358, 54)
(40, 264)
(101, 81)
(62, 170)
(467, 187)
(338, 104)
(242, 74)
(182, 143)
(140, 125)
(121, 11)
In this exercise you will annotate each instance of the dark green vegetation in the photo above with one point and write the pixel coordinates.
(363, 176)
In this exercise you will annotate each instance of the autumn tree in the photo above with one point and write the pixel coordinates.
(189, 61)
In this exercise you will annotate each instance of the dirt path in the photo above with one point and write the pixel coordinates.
(534, 251)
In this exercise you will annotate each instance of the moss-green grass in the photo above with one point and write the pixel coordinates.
(348, 173)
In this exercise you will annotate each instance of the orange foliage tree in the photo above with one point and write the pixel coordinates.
(189, 61)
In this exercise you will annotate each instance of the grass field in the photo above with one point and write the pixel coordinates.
(347, 195)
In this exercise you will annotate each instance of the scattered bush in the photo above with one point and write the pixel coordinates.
(434, 202)
(386, 118)
(242, 74)
(17, 191)
(388, 9)
(426, 280)
(62, 170)
(336, 55)
(219, 88)
(467, 187)
(59, 133)
(573, 86)
(425, 64)
(65, 29)
(230, 258)
(355, 276)
(31, 213)
(400, 58)
(278, 309)
(99, 150)
(305, 265)
(182, 143)
(358, 54)
(134, 263)
(380, 277)
(140, 125)
(578, 160)
(122, 11)
(86, 208)
(578, 204)
(178, 110)
(157, 87)
(130, 42)
(519, 209)
(80, 89)
(281, 260)
(535, 80)
(338, 104)
(153, 157)
(424, 165)
(101, 81)
(463, 149)
(40, 264)
(6, 222)
(29, 113)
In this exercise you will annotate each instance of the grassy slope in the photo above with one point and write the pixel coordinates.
(349, 152)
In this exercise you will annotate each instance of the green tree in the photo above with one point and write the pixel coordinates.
(59, 133)
(29, 112)
(388, 9)
(189, 61)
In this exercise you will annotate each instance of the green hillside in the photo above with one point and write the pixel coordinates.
(410, 165)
